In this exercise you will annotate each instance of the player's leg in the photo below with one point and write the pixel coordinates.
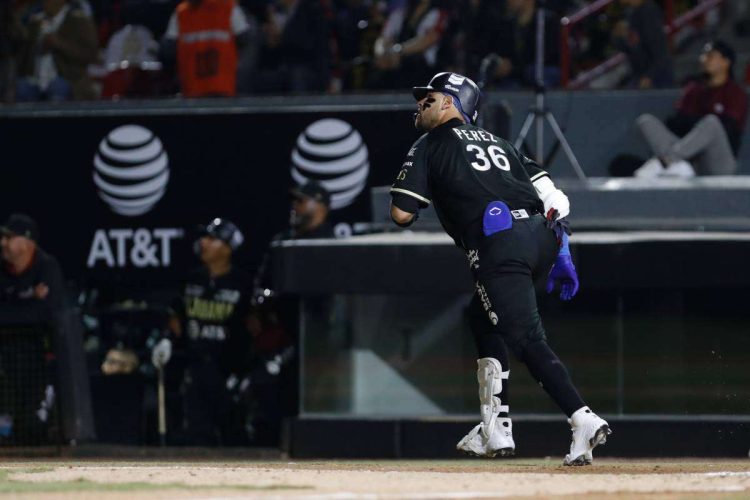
(493, 436)
(202, 382)
(511, 294)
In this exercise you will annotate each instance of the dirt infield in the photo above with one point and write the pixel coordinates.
(427, 479)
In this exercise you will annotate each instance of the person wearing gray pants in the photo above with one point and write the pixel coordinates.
(706, 146)
(703, 136)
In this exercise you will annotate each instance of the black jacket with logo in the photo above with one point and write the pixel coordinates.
(213, 312)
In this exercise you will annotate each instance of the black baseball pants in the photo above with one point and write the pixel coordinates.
(503, 313)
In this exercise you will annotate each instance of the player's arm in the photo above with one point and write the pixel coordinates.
(556, 206)
(552, 197)
(402, 217)
(410, 191)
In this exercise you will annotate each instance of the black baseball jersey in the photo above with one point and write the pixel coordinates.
(461, 168)
(213, 312)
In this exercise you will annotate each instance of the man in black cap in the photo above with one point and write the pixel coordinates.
(31, 282)
(309, 215)
(703, 136)
(276, 318)
(210, 320)
(31, 295)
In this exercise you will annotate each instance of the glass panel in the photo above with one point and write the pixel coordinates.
(629, 352)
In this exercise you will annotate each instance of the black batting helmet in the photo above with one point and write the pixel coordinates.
(223, 230)
(465, 91)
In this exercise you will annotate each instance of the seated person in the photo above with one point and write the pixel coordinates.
(703, 136)
(512, 62)
(57, 46)
(641, 36)
(295, 52)
(407, 49)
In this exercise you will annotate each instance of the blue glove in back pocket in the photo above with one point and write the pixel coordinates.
(497, 218)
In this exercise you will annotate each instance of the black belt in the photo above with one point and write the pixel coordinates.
(528, 211)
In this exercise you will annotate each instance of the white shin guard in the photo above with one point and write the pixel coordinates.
(490, 376)
(494, 435)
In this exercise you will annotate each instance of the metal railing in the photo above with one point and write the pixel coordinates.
(672, 26)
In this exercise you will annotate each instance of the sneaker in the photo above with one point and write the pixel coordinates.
(650, 170)
(500, 443)
(589, 431)
(680, 169)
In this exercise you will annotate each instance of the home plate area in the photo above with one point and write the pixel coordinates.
(422, 479)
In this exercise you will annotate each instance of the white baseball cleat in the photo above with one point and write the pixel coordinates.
(499, 444)
(589, 431)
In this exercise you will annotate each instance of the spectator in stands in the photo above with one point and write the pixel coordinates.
(358, 24)
(703, 136)
(512, 61)
(31, 283)
(8, 39)
(206, 36)
(295, 52)
(482, 23)
(407, 49)
(642, 38)
(58, 45)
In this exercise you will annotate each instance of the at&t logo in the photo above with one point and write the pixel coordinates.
(131, 170)
(332, 152)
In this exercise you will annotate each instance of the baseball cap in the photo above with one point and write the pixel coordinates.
(723, 48)
(314, 190)
(223, 230)
(463, 89)
(20, 225)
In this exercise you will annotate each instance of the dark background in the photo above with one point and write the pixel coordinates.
(230, 165)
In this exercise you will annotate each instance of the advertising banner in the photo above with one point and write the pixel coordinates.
(118, 198)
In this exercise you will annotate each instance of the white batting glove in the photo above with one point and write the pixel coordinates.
(161, 353)
(553, 198)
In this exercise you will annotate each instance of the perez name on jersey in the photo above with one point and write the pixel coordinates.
(474, 135)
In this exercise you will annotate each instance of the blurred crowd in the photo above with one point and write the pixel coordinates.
(83, 49)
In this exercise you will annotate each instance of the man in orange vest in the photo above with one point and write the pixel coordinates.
(206, 35)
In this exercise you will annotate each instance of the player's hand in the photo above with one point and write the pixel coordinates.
(558, 225)
(161, 353)
(564, 274)
(41, 291)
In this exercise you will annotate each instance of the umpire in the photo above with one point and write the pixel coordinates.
(504, 211)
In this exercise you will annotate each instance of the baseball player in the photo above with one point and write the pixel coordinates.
(505, 212)
(211, 319)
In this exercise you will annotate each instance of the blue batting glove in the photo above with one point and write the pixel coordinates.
(564, 273)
